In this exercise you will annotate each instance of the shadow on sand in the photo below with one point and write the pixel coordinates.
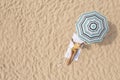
(111, 35)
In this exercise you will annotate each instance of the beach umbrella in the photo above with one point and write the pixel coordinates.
(92, 27)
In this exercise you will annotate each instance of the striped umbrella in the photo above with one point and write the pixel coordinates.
(91, 27)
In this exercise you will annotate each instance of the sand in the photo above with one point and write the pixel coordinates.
(34, 36)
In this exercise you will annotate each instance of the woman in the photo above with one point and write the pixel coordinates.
(74, 50)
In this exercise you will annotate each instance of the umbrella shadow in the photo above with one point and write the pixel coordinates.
(88, 47)
(111, 35)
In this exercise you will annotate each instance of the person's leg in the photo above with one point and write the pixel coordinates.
(71, 58)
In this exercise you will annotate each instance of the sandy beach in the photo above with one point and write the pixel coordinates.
(35, 34)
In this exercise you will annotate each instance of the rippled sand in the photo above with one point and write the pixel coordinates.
(34, 36)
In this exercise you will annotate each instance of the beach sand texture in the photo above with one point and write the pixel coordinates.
(34, 36)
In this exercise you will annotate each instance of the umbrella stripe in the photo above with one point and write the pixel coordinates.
(95, 28)
(92, 27)
(87, 32)
(88, 17)
(89, 20)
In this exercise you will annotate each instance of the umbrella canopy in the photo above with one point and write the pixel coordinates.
(91, 27)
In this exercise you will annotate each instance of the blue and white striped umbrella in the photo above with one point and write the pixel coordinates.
(92, 27)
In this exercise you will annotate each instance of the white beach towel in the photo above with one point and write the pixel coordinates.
(75, 39)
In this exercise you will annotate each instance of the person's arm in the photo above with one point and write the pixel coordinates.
(73, 41)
